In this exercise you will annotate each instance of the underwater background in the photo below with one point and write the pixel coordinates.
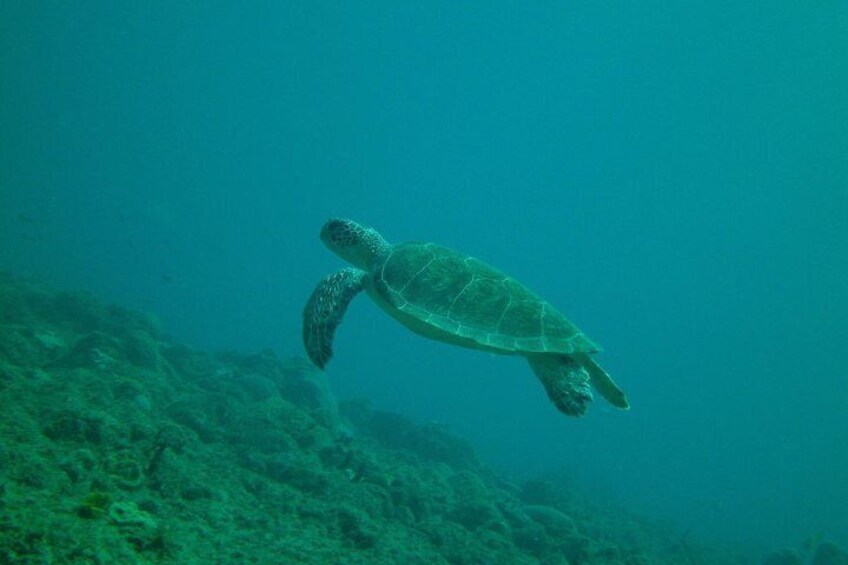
(672, 176)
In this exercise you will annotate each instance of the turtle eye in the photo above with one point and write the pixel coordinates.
(339, 232)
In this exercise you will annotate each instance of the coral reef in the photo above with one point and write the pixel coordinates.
(117, 446)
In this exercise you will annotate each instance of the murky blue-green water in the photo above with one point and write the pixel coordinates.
(673, 176)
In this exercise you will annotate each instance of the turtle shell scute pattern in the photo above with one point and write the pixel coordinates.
(468, 298)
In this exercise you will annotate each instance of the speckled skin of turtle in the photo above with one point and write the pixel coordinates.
(448, 296)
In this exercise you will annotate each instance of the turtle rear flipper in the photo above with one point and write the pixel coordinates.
(325, 310)
(565, 381)
(604, 384)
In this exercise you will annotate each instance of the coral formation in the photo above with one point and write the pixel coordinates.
(117, 446)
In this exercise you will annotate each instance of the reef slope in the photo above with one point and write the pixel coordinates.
(118, 445)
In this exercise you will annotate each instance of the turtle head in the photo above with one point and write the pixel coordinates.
(355, 243)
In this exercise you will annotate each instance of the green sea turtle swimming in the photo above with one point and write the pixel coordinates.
(448, 296)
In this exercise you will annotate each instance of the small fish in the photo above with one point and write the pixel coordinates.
(26, 218)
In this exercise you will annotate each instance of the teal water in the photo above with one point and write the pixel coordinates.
(673, 177)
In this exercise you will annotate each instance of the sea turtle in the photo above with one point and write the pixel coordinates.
(448, 296)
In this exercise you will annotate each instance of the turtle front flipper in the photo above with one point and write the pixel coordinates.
(565, 380)
(325, 310)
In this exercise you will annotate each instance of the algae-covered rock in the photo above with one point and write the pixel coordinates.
(783, 557)
(356, 527)
(474, 505)
(295, 379)
(203, 413)
(95, 350)
(256, 388)
(429, 441)
(125, 469)
(123, 322)
(141, 349)
(260, 432)
(94, 505)
(74, 426)
(80, 310)
(302, 473)
(828, 553)
(21, 346)
(302, 384)
(195, 366)
(555, 522)
(79, 465)
(137, 526)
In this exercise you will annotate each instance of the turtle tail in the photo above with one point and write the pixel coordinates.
(324, 312)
